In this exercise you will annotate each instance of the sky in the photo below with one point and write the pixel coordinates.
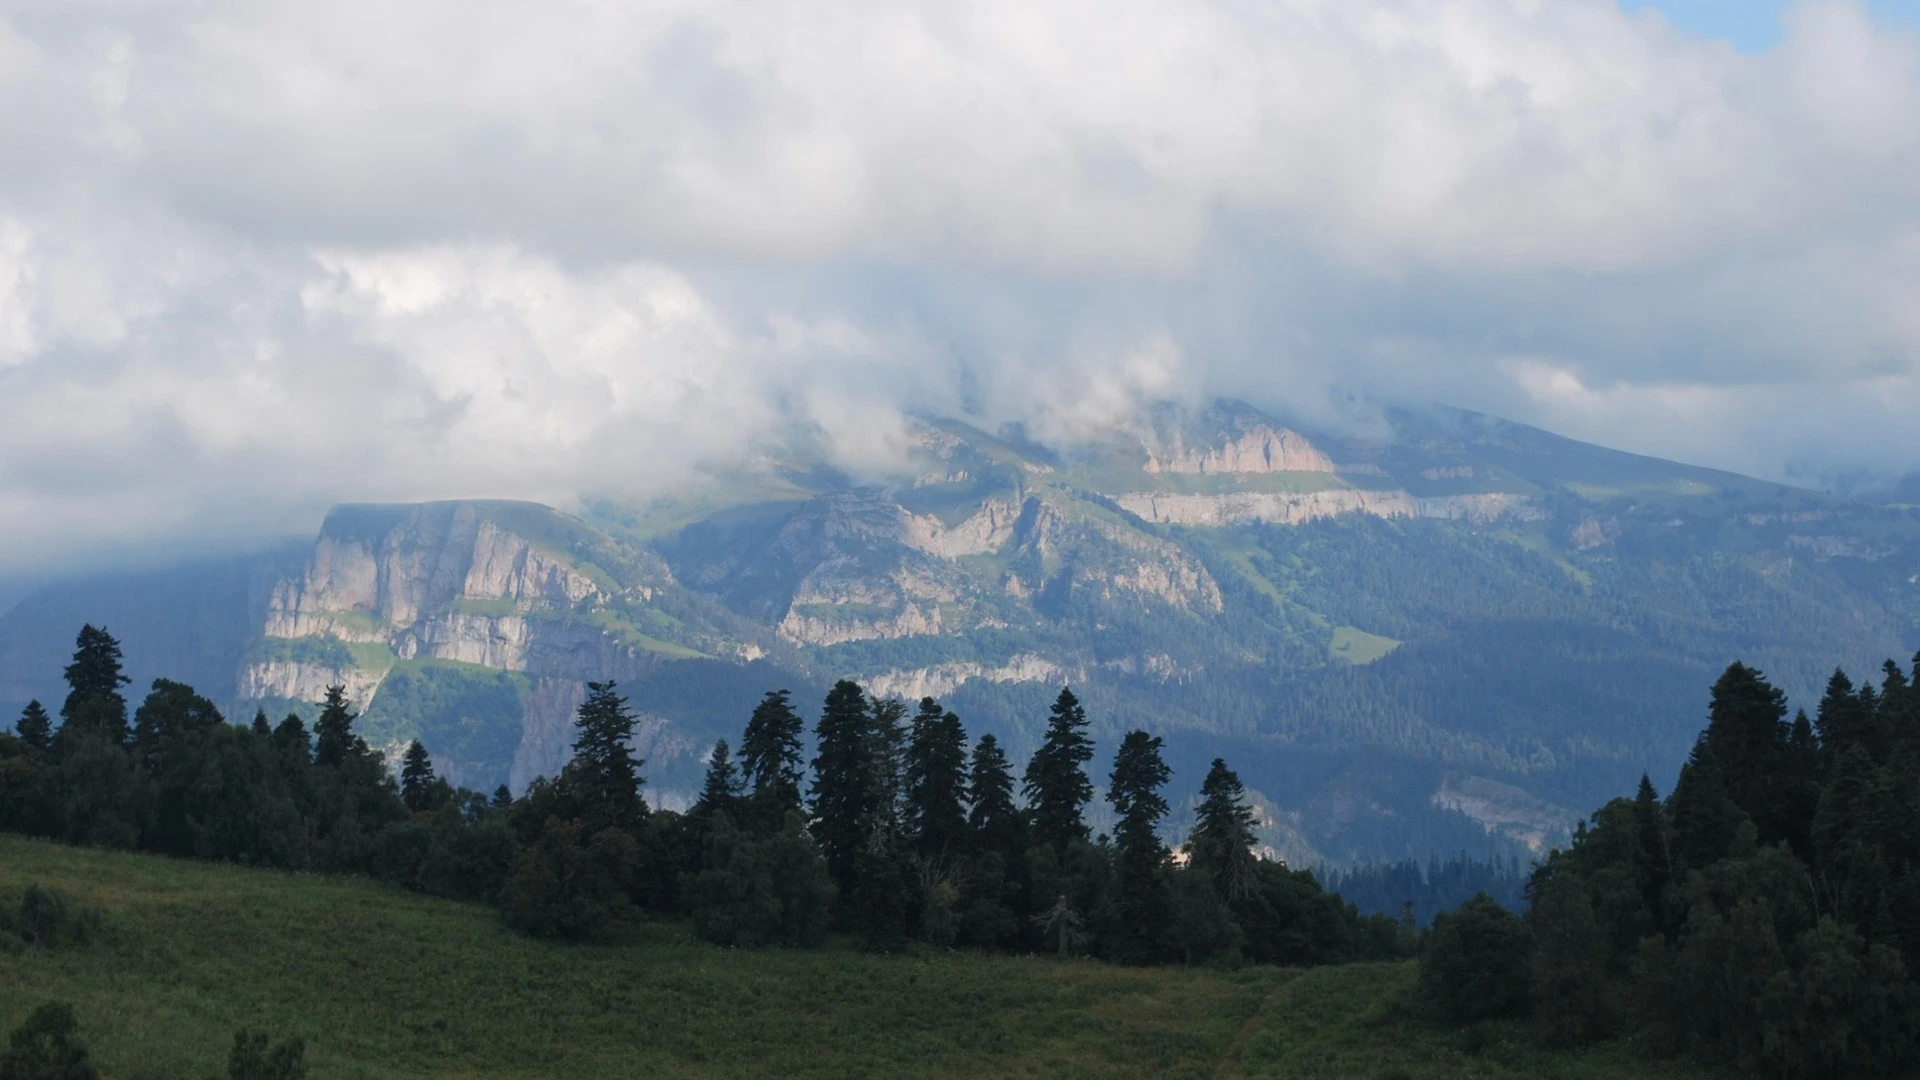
(1754, 26)
(258, 257)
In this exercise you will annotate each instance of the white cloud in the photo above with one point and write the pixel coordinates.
(259, 256)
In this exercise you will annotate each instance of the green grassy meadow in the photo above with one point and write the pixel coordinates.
(382, 983)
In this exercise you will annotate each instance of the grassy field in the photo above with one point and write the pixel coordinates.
(386, 984)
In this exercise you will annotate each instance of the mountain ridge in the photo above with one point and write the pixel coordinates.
(1415, 640)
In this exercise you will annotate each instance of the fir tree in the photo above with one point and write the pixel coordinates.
(334, 740)
(1221, 847)
(261, 726)
(94, 680)
(887, 736)
(1748, 737)
(879, 903)
(35, 727)
(1142, 906)
(604, 775)
(844, 784)
(291, 737)
(1843, 720)
(770, 759)
(994, 823)
(1056, 784)
(934, 815)
(721, 791)
(502, 798)
(1700, 817)
(416, 778)
(1656, 860)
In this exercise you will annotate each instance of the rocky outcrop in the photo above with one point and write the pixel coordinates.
(291, 680)
(942, 679)
(546, 730)
(1261, 449)
(1486, 506)
(1504, 810)
(490, 641)
(988, 529)
(363, 581)
(828, 623)
(1274, 507)
(1294, 508)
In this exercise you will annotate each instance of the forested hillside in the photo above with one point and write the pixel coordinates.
(1761, 916)
(1446, 639)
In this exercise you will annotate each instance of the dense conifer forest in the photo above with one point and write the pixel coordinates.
(1765, 915)
(1761, 916)
(898, 829)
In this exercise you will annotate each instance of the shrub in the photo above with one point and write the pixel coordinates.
(1476, 964)
(47, 918)
(759, 890)
(561, 887)
(252, 1059)
(45, 1048)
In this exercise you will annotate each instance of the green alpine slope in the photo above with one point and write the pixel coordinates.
(384, 984)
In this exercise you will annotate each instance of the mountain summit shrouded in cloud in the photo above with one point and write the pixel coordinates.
(259, 258)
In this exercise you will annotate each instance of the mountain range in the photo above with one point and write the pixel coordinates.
(1449, 635)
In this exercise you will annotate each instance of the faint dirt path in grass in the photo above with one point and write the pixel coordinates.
(1228, 1066)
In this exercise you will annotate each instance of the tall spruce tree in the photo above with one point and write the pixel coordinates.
(1056, 784)
(1142, 905)
(261, 725)
(878, 907)
(720, 793)
(770, 759)
(1747, 730)
(290, 735)
(1656, 858)
(844, 781)
(994, 823)
(94, 679)
(935, 817)
(35, 727)
(604, 776)
(416, 778)
(1700, 817)
(1843, 720)
(1221, 846)
(334, 740)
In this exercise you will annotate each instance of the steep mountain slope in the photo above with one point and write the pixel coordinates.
(1443, 637)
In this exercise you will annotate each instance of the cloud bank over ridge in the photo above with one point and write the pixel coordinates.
(259, 257)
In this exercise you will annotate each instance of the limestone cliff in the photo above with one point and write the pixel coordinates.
(495, 586)
(1261, 449)
(1294, 508)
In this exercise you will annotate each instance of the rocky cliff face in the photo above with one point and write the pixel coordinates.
(364, 580)
(462, 585)
(1295, 508)
(1262, 449)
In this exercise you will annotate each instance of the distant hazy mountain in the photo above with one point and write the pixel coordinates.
(1453, 637)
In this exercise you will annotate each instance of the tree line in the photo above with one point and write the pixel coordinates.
(1415, 891)
(899, 828)
(1764, 915)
